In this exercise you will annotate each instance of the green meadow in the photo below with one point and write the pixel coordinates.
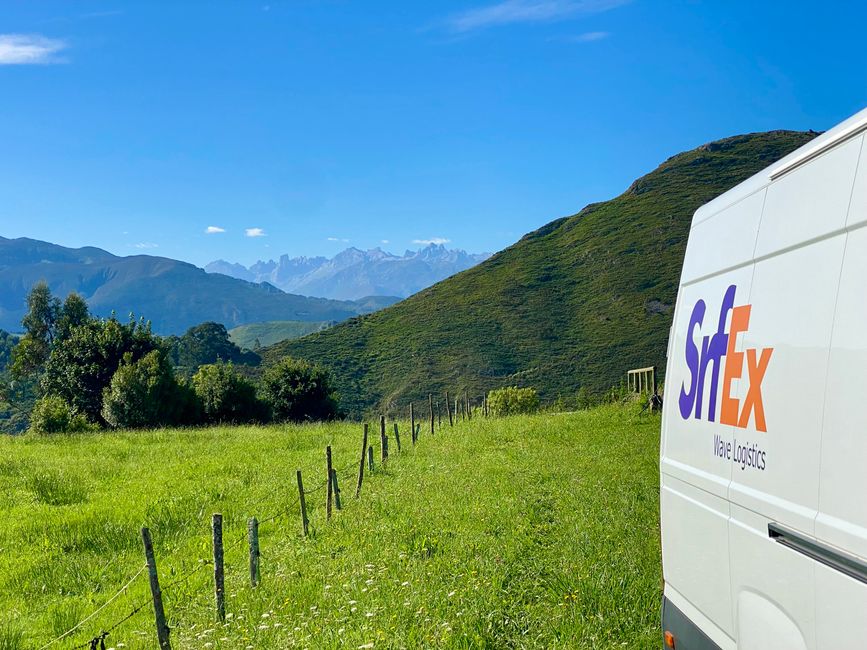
(523, 532)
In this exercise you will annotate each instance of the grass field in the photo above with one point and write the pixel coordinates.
(526, 532)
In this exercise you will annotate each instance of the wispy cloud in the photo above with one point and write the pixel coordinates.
(102, 14)
(588, 37)
(342, 240)
(433, 240)
(527, 11)
(384, 241)
(29, 49)
(146, 244)
(254, 232)
(213, 230)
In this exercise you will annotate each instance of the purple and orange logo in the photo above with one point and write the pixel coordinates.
(714, 349)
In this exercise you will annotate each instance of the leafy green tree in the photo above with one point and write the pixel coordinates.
(81, 366)
(74, 313)
(46, 322)
(297, 390)
(145, 393)
(52, 414)
(43, 310)
(513, 401)
(226, 396)
(207, 343)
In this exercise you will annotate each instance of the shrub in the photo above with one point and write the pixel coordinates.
(513, 400)
(226, 396)
(297, 390)
(584, 400)
(52, 414)
(145, 393)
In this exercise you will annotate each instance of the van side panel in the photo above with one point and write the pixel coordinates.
(842, 519)
(811, 201)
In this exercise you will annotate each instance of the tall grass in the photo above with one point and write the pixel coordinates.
(524, 532)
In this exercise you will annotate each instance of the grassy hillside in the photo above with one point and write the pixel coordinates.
(472, 539)
(271, 332)
(575, 303)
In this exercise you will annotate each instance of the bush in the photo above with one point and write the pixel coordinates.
(145, 393)
(513, 401)
(51, 414)
(226, 396)
(297, 391)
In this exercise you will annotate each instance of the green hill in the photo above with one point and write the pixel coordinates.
(576, 303)
(271, 332)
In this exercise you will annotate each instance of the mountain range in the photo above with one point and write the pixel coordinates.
(574, 304)
(353, 273)
(173, 295)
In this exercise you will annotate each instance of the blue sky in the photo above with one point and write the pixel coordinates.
(305, 126)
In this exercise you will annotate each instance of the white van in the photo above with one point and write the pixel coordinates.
(764, 435)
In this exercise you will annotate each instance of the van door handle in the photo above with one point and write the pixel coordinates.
(837, 560)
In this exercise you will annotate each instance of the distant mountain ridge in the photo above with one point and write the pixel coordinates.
(173, 295)
(354, 274)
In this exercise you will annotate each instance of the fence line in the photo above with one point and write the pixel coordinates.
(99, 640)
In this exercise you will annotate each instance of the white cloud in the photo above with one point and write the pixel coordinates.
(254, 232)
(23, 49)
(342, 240)
(213, 230)
(433, 240)
(527, 11)
(384, 241)
(589, 37)
(146, 245)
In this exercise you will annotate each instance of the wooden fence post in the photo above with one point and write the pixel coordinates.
(397, 437)
(219, 575)
(329, 490)
(439, 416)
(449, 409)
(304, 521)
(467, 402)
(383, 440)
(430, 406)
(412, 421)
(253, 537)
(486, 404)
(156, 593)
(336, 485)
(370, 457)
(361, 464)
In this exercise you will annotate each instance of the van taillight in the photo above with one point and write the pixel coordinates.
(669, 640)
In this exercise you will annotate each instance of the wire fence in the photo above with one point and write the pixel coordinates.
(97, 642)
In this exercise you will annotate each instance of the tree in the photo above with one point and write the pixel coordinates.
(226, 396)
(81, 366)
(46, 323)
(145, 393)
(207, 343)
(297, 390)
(74, 313)
(43, 310)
